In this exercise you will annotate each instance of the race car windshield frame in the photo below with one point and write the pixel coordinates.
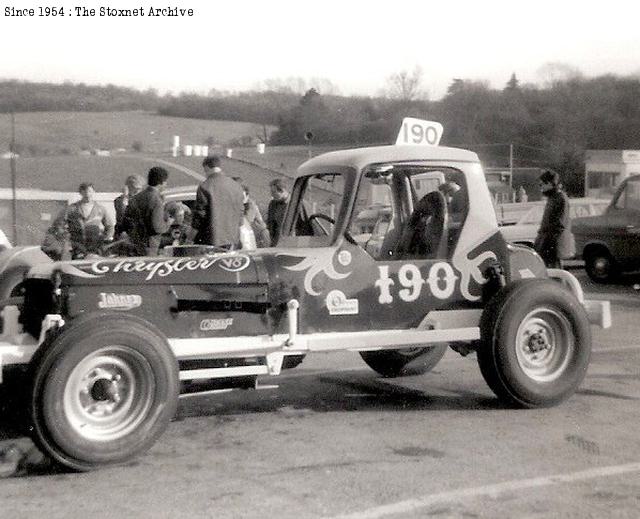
(326, 192)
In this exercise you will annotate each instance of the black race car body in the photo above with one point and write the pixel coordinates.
(114, 331)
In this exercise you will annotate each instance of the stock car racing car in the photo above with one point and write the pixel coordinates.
(107, 344)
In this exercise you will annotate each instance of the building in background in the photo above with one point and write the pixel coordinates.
(605, 169)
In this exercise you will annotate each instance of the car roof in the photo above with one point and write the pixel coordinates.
(180, 191)
(360, 157)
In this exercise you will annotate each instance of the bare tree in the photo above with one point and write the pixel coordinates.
(555, 72)
(405, 85)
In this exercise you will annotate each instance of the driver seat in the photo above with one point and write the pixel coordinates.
(425, 234)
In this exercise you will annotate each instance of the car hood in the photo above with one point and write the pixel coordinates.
(233, 268)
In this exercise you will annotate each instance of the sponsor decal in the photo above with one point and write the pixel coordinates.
(315, 261)
(338, 304)
(165, 267)
(344, 258)
(214, 325)
(119, 301)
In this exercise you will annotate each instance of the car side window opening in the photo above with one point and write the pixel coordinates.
(420, 211)
(629, 198)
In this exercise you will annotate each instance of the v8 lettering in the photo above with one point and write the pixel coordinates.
(441, 282)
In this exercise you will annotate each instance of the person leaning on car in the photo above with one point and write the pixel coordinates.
(554, 240)
(89, 223)
(219, 207)
(145, 220)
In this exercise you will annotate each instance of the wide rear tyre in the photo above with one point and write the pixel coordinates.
(535, 343)
(404, 362)
(103, 391)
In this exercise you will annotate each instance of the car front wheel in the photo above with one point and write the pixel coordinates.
(535, 343)
(103, 391)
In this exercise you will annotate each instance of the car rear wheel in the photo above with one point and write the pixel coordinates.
(535, 343)
(600, 266)
(103, 391)
(404, 362)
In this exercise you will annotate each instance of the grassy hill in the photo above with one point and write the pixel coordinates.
(284, 159)
(73, 131)
(65, 173)
(70, 132)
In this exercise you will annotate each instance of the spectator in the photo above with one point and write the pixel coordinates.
(56, 241)
(277, 208)
(145, 220)
(254, 219)
(521, 195)
(180, 231)
(219, 207)
(554, 241)
(89, 224)
(132, 186)
(247, 236)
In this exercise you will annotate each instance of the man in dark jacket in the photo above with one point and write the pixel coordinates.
(132, 186)
(219, 207)
(554, 241)
(276, 209)
(145, 220)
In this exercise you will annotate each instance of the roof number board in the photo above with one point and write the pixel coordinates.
(418, 131)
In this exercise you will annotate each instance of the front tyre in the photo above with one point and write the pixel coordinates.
(535, 343)
(404, 362)
(103, 391)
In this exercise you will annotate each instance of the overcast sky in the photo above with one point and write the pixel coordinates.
(355, 44)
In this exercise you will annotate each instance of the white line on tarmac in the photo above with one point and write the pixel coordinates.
(411, 505)
(615, 350)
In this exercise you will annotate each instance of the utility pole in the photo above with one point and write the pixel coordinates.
(511, 158)
(511, 166)
(14, 205)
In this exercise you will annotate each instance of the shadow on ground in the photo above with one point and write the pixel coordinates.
(343, 391)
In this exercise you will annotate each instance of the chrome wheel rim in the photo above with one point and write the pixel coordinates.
(109, 393)
(544, 344)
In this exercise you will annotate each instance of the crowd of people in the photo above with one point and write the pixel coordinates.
(224, 216)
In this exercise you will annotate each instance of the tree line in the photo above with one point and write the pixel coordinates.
(548, 126)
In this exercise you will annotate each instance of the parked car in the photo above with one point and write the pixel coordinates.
(610, 243)
(109, 343)
(525, 230)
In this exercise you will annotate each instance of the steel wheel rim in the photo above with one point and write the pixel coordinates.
(601, 266)
(109, 393)
(544, 344)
